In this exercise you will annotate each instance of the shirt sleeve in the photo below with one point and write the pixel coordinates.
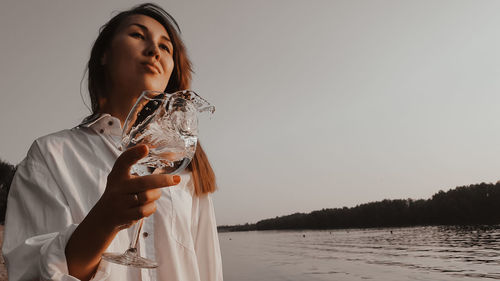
(38, 224)
(206, 240)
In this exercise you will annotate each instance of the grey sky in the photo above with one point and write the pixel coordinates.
(320, 104)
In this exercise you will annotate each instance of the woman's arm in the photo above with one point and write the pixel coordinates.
(117, 209)
(38, 222)
(86, 245)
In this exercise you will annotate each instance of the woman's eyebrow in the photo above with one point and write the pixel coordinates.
(143, 27)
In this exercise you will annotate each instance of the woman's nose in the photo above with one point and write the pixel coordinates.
(152, 51)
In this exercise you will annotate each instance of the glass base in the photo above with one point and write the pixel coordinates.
(129, 258)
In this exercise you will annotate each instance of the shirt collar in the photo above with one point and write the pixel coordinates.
(103, 123)
(86, 123)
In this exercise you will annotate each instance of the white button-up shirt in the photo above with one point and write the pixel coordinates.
(63, 177)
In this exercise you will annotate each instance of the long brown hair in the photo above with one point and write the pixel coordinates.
(180, 79)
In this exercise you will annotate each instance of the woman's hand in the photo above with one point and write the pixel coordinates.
(126, 199)
(129, 198)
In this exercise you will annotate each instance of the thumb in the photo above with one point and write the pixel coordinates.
(128, 158)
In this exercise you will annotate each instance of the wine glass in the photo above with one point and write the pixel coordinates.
(168, 125)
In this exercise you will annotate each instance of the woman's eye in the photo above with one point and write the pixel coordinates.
(165, 47)
(137, 35)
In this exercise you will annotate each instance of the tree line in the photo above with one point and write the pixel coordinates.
(477, 204)
(6, 174)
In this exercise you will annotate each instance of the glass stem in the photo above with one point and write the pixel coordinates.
(135, 238)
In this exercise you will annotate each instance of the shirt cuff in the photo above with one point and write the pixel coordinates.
(53, 265)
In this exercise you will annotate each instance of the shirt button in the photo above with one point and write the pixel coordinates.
(101, 131)
(145, 234)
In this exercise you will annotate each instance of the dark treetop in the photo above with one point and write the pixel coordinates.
(6, 174)
(464, 205)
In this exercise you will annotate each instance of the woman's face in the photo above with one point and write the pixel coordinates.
(140, 56)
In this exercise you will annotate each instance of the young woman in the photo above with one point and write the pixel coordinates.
(73, 197)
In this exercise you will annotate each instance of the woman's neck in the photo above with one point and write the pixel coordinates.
(118, 105)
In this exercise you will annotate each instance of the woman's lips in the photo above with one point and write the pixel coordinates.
(151, 67)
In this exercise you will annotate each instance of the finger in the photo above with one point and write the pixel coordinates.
(145, 197)
(128, 158)
(142, 211)
(140, 184)
(149, 196)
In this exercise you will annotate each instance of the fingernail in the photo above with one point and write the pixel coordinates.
(177, 179)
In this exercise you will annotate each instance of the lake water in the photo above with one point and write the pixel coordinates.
(414, 253)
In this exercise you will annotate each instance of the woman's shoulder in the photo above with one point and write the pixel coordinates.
(55, 136)
(55, 143)
(66, 136)
(59, 138)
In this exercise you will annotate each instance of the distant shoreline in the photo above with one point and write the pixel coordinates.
(473, 205)
(224, 229)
